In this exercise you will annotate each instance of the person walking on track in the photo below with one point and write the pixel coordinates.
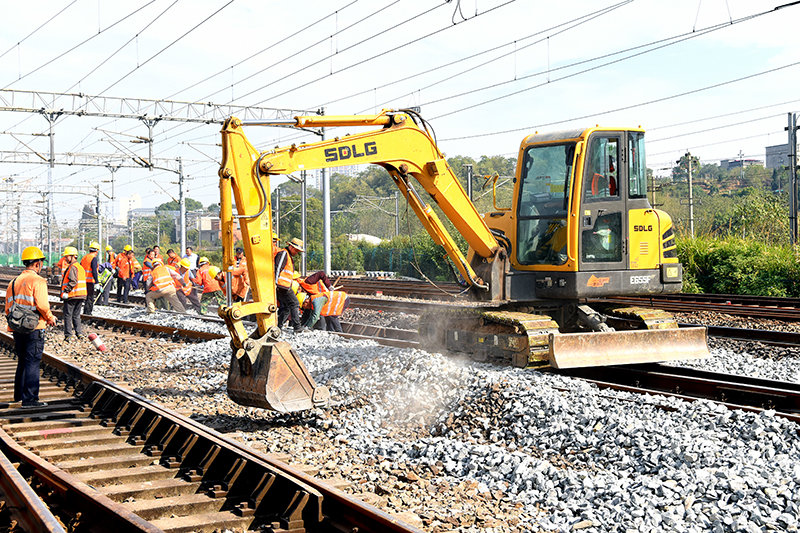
(29, 291)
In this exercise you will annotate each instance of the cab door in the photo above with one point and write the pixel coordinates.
(603, 214)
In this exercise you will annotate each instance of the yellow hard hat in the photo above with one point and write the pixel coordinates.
(94, 245)
(202, 260)
(171, 267)
(32, 253)
(213, 271)
(127, 248)
(109, 248)
(70, 250)
(275, 236)
(296, 275)
(185, 263)
(157, 262)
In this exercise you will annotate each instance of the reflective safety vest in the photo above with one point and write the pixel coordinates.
(316, 288)
(147, 269)
(286, 275)
(79, 291)
(124, 266)
(173, 261)
(186, 286)
(62, 265)
(335, 304)
(161, 278)
(204, 278)
(30, 289)
(86, 263)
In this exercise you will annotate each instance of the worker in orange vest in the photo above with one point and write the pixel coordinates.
(284, 274)
(338, 302)
(73, 292)
(160, 285)
(125, 271)
(29, 289)
(240, 279)
(89, 263)
(157, 254)
(316, 286)
(173, 258)
(212, 292)
(184, 286)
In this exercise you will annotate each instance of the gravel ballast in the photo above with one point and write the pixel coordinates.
(454, 445)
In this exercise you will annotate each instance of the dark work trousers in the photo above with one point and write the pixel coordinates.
(333, 324)
(289, 307)
(189, 301)
(72, 316)
(89, 305)
(107, 292)
(123, 289)
(29, 348)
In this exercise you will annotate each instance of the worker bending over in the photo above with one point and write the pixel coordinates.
(316, 286)
(89, 263)
(284, 273)
(160, 285)
(29, 291)
(212, 292)
(184, 286)
(73, 292)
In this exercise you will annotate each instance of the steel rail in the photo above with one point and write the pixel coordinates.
(25, 508)
(295, 500)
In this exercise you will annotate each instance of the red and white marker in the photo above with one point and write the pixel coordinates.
(98, 343)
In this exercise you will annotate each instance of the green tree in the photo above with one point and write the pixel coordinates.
(191, 205)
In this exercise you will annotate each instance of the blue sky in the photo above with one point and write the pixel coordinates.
(295, 74)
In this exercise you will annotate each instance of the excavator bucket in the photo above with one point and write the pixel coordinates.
(573, 350)
(272, 376)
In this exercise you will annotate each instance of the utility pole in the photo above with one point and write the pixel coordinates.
(741, 160)
(303, 221)
(691, 197)
(99, 221)
(792, 141)
(396, 214)
(326, 212)
(182, 203)
(51, 118)
(469, 181)
(19, 232)
(278, 210)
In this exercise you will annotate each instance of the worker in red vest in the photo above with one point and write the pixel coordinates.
(73, 292)
(89, 263)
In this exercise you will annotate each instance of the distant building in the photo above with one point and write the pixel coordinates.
(777, 156)
(728, 164)
(356, 237)
(125, 205)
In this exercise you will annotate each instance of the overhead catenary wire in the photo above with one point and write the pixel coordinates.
(59, 56)
(42, 25)
(631, 106)
(656, 45)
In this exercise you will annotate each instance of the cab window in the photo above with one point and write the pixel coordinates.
(602, 177)
(543, 204)
(637, 169)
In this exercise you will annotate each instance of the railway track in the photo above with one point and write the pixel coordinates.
(103, 458)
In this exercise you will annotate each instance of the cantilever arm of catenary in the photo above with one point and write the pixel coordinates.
(405, 150)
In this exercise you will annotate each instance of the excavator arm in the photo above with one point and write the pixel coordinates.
(268, 373)
(409, 153)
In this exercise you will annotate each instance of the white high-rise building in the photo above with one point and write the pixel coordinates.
(127, 203)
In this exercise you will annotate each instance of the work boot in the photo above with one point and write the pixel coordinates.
(301, 329)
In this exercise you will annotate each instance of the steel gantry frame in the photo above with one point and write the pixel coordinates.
(52, 105)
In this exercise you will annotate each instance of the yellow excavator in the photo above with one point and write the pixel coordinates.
(579, 229)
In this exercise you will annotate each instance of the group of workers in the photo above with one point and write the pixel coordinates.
(169, 281)
(321, 302)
